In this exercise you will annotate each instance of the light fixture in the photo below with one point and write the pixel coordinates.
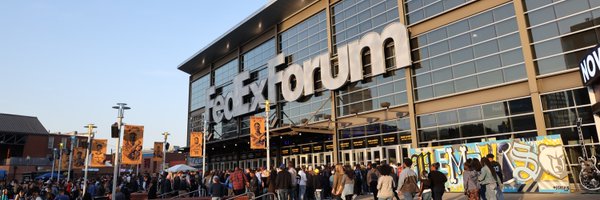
(300, 134)
(236, 144)
(259, 24)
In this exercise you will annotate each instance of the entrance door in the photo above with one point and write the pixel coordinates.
(328, 158)
(317, 159)
(347, 157)
(360, 157)
(393, 154)
(303, 160)
(378, 155)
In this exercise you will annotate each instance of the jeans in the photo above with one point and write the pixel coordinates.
(238, 192)
(499, 193)
(373, 186)
(301, 190)
(437, 193)
(408, 195)
(318, 193)
(282, 193)
(426, 196)
(294, 192)
(490, 191)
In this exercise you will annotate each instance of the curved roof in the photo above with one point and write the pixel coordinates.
(257, 23)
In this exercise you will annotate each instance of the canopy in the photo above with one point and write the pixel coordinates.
(181, 168)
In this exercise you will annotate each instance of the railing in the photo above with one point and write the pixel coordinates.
(265, 195)
(20, 161)
(249, 194)
(164, 195)
(202, 192)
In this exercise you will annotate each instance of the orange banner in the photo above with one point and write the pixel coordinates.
(257, 133)
(79, 158)
(98, 152)
(196, 142)
(158, 151)
(133, 139)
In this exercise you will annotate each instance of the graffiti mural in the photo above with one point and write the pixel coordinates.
(528, 165)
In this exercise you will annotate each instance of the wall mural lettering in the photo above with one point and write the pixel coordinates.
(528, 165)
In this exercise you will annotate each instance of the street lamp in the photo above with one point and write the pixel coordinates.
(164, 166)
(73, 138)
(59, 161)
(121, 107)
(267, 125)
(53, 161)
(90, 135)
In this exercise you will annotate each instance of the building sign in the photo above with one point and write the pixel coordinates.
(295, 150)
(306, 149)
(328, 146)
(528, 165)
(590, 66)
(390, 139)
(317, 148)
(358, 143)
(350, 70)
(373, 142)
(405, 139)
(285, 152)
(344, 144)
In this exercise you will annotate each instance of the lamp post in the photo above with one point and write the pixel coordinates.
(121, 107)
(53, 161)
(73, 138)
(204, 145)
(59, 162)
(267, 125)
(164, 162)
(87, 155)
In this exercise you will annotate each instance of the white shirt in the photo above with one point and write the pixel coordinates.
(302, 177)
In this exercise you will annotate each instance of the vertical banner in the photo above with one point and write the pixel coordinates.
(79, 158)
(528, 165)
(132, 145)
(64, 158)
(98, 152)
(257, 133)
(196, 143)
(158, 151)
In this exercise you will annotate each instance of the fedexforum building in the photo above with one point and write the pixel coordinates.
(358, 81)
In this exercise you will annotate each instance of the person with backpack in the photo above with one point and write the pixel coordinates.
(425, 191)
(407, 181)
(438, 181)
(372, 177)
(470, 181)
(498, 170)
(358, 179)
(239, 181)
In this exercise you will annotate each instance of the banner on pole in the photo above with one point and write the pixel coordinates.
(257, 133)
(158, 151)
(98, 152)
(79, 158)
(196, 142)
(64, 159)
(133, 138)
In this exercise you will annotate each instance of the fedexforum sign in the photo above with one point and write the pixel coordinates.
(350, 70)
(590, 66)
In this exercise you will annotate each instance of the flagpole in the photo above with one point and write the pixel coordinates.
(267, 107)
(204, 146)
(87, 156)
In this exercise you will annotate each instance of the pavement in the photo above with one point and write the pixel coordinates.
(518, 196)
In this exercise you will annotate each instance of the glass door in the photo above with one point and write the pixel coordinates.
(347, 157)
(303, 160)
(393, 155)
(317, 159)
(359, 157)
(378, 155)
(328, 158)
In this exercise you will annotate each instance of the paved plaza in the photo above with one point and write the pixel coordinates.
(519, 196)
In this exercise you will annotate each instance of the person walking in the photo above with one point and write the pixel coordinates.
(407, 181)
(372, 177)
(337, 186)
(438, 182)
(316, 184)
(239, 181)
(348, 183)
(470, 182)
(385, 183)
(283, 182)
(498, 170)
(294, 181)
(302, 183)
(489, 179)
(358, 180)
(217, 190)
(425, 191)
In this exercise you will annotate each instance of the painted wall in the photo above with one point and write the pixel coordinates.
(528, 165)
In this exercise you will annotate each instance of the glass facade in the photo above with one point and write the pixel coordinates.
(258, 57)
(419, 10)
(562, 32)
(480, 51)
(198, 97)
(299, 43)
(561, 110)
(224, 74)
(499, 120)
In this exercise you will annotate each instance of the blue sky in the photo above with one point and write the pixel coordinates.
(69, 62)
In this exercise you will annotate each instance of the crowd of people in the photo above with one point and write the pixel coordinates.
(481, 180)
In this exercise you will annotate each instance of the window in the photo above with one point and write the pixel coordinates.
(198, 92)
(561, 111)
(51, 142)
(420, 10)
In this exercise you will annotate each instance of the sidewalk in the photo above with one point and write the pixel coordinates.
(517, 196)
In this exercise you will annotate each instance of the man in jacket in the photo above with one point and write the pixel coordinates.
(407, 181)
(283, 183)
(372, 177)
(438, 181)
(239, 181)
(294, 181)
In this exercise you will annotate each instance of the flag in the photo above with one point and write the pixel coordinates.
(98, 152)
(158, 151)
(196, 142)
(132, 145)
(79, 158)
(257, 133)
